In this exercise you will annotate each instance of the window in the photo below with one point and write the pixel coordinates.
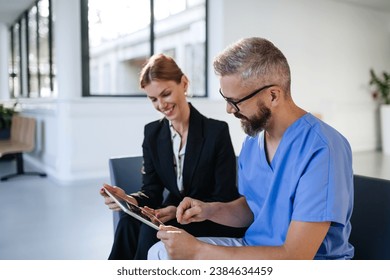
(33, 73)
(31, 67)
(14, 64)
(47, 71)
(122, 34)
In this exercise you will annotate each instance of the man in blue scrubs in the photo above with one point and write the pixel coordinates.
(295, 172)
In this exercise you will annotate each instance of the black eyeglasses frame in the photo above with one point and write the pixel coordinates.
(234, 104)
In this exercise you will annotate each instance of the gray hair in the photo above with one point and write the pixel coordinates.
(254, 59)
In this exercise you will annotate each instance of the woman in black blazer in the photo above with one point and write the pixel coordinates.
(185, 154)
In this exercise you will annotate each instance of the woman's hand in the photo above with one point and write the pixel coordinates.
(120, 193)
(163, 214)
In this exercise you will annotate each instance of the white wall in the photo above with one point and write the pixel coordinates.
(330, 46)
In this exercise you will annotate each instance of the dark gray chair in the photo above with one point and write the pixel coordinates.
(371, 219)
(125, 172)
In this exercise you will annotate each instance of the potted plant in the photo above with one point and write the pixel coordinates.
(6, 114)
(382, 94)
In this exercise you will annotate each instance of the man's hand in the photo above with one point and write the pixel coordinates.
(179, 244)
(192, 210)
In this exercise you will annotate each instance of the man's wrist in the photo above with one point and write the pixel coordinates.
(212, 210)
(201, 251)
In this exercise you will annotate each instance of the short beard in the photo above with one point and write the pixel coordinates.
(257, 123)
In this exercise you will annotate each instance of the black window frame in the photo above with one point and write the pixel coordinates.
(85, 52)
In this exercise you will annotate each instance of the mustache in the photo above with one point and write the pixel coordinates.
(239, 116)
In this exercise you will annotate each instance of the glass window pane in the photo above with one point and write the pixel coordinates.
(11, 70)
(181, 32)
(23, 58)
(164, 9)
(119, 43)
(16, 60)
(44, 54)
(33, 53)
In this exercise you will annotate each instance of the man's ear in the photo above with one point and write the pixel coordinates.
(276, 94)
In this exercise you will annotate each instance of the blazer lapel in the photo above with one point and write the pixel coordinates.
(194, 147)
(165, 156)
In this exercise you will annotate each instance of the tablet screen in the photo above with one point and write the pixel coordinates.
(135, 211)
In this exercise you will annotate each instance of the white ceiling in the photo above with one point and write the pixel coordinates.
(11, 9)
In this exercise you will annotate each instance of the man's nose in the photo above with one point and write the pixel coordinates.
(230, 109)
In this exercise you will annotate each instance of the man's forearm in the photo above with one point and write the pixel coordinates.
(235, 213)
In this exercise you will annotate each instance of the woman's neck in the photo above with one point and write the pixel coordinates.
(181, 126)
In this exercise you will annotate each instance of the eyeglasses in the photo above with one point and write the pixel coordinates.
(234, 104)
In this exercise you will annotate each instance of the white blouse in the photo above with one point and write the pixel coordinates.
(178, 156)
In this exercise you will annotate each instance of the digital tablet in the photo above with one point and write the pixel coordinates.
(135, 211)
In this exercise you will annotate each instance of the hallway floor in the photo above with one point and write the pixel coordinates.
(43, 220)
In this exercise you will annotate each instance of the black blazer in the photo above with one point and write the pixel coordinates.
(209, 171)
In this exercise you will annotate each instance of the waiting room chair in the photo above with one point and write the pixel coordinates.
(371, 219)
(22, 140)
(125, 172)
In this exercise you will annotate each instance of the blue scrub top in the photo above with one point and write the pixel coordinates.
(310, 179)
